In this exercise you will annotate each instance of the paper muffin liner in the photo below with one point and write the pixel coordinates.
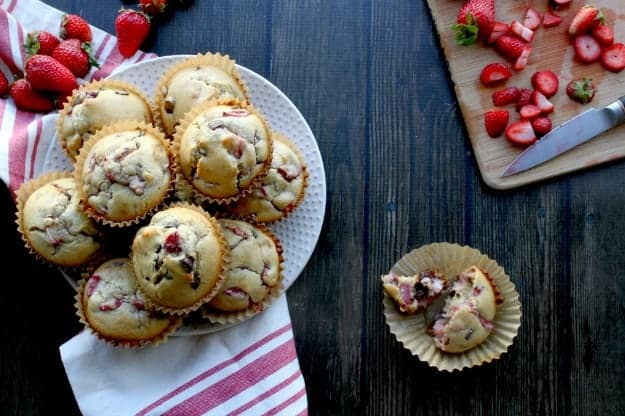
(216, 316)
(22, 195)
(79, 165)
(183, 184)
(285, 212)
(217, 60)
(451, 260)
(225, 261)
(175, 322)
(91, 86)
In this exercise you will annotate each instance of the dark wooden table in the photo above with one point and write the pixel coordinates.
(370, 78)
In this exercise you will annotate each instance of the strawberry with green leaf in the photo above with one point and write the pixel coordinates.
(475, 20)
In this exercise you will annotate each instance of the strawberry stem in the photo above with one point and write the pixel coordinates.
(466, 33)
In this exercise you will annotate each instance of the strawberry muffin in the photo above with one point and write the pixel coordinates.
(124, 173)
(254, 270)
(282, 189)
(413, 294)
(95, 105)
(223, 150)
(52, 223)
(467, 316)
(193, 81)
(110, 304)
(179, 259)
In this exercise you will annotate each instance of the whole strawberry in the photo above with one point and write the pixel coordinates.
(76, 56)
(75, 27)
(47, 74)
(4, 85)
(41, 42)
(28, 99)
(131, 27)
(475, 20)
(153, 7)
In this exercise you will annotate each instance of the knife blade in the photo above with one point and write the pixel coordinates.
(571, 133)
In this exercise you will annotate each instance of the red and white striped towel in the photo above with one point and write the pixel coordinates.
(250, 369)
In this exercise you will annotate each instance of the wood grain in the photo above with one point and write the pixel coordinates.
(552, 50)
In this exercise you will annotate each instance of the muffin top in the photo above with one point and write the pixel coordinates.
(92, 107)
(124, 174)
(466, 318)
(56, 227)
(282, 188)
(253, 270)
(223, 149)
(114, 308)
(179, 258)
(193, 85)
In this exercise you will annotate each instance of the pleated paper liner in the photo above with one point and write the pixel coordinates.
(105, 84)
(152, 206)
(216, 316)
(225, 260)
(126, 341)
(184, 184)
(451, 260)
(22, 195)
(259, 209)
(216, 60)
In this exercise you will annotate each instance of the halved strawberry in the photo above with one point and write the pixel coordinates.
(506, 96)
(587, 49)
(546, 81)
(532, 18)
(521, 61)
(550, 19)
(510, 46)
(495, 73)
(499, 29)
(541, 125)
(585, 20)
(529, 112)
(525, 97)
(542, 102)
(521, 133)
(581, 90)
(613, 57)
(496, 121)
(604, 34)
(521, 31)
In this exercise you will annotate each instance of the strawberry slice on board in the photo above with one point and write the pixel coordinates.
(474, 20)
(495, 122)
(522, 31)
(510, 47)
(499, 29)
(604, 34)
(587, 49)
(541, 125)
(532, 18)
(544, 105)
(546, 82)
(521, 133)
(613, 57)
(525, 97)
(505, 96)
(495, 73)
(521, 62)
(529, 111)
(551, 19)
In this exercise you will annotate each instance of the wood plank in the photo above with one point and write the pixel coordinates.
(552, 50)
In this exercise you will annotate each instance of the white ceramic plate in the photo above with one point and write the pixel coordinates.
(300, 231)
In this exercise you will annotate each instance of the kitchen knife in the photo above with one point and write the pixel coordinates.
(569, 134)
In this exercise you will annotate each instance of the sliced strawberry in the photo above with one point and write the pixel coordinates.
(581, 90)
(525, 98)
(587, 49)
(560, 3)
(604, 34)
(521, 31)
(613, 57)
(546, 81)
(499, 29)
(532, 18)
(521, 61)
(496, 121)
(541, 125)
(510, 46)
(506, 96)
(521, 133)
(585, 20)
(529, 111)
(495, 73)
(550, 19)
(542, 102)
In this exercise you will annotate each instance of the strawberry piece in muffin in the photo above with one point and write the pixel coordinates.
(413, 294)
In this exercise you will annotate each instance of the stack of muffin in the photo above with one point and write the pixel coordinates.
(164, 215)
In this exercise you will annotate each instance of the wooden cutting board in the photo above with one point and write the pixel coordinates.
(551, 50)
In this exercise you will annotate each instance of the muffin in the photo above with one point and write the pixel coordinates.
(414, 293)
(193, 81)
(52, 223)
(123, 173)
(282, 189)
(110, 304)
(255, 269)
(467, 316)
(95, 105)
(222, 150)
(179, 258)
